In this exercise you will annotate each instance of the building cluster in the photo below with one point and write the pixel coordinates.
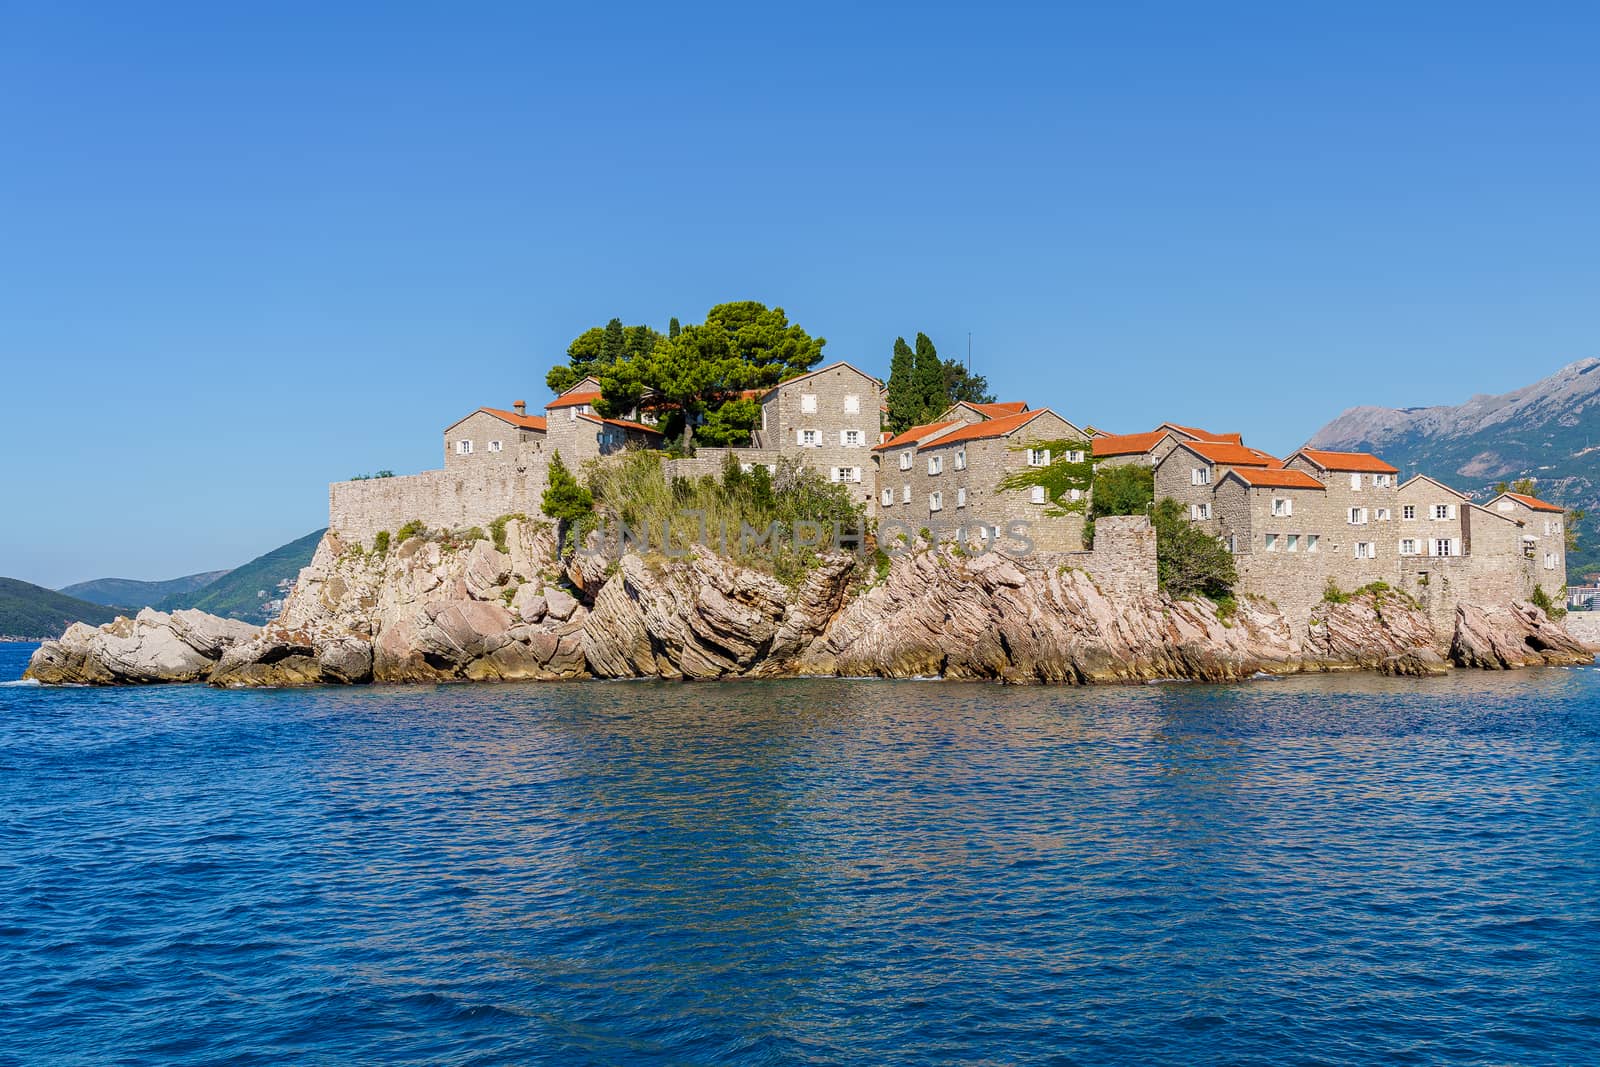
(1294, 525)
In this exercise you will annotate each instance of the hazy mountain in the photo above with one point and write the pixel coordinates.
(135, 594)
(1548, 431)
(255, 591)
(31, 612)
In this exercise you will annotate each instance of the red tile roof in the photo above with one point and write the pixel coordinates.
(1231, 454)
(1206, 435)
(978, 431)
(571, 400)
(994, 411)
(526, 422)
(1276, 478)
(1127, 444)
(1534, 502)
(1347, 461)
(624, 423)
(915, 434)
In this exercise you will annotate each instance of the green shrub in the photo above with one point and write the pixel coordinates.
(475, 533)
(1190, 561)
(414, 528)
(1542, 601)
(380, 543)
(497, 528)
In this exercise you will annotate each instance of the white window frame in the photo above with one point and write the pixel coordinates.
(1448, 544)
(1200, 476)
(1408, 546)
(1366, 550)
(1358, 516)
(1282, 507)
(1291, 542)
(808, 403)
(936, 463)
(1355, 482)
(888, 497)
(961, 497)
(809, 438)
(961, 459)
(1443, 512)
(1312, 540)
(1272, 542)
(496, 446)
(905, 497)
(905, 460)
(463, 448)
(1408, 511)
(852, 404)
(1200, 512)
(850, 438)
(1549, 561)
(936, 501)
(1036, 495)
(1038, 457)
(1380, 514)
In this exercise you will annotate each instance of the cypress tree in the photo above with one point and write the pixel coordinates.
(673, 327)
(928, 381)
(615, 344)
(904, 405)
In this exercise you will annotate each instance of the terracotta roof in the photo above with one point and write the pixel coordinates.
(978, 431)
(1347, 461)
(1231, 454)
(526, 422)
(1534, 502)
(572, 400)
(916, 433)
(1275, 478)
(624, 423)
(1206, 435)
(1127, 444)
(994, 411)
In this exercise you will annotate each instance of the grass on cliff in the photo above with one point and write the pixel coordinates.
(632, 489)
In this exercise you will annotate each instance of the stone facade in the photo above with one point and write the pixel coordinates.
(829, 420)
(1543, 538)
(948, 482)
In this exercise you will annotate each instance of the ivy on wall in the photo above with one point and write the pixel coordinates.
(1058, 477)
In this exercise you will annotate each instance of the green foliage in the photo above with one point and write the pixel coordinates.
(1128, 489)
(629, 489)
(904, 403)
(1227, 608)
(927, 380)
(1058, 477)
(1332, 594)
(370, 477)
(249, 592)
(564, 499)
(730, 424)
(414, 528)
(1189, 561)
(1542, 601)
(33, 612)
(1380, 592)
(497, 528)
(473, 533)
(380, 543)
(962, 386)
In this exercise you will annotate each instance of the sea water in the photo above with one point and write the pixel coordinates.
(1335, 869)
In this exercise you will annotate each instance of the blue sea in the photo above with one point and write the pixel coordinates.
(1335, 869)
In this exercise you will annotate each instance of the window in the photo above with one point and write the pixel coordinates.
(1366, 550)
(463, 448)
(1038, 457)
(1199, 511)
(936, 501)
(1036, 495)
(1282, 507)
(905, 461)
(905, 494)
(850, 438)
(495, 446)
(1200, 476)
(1077, 494)
(1383, 480)
(1443, 546)
(936, 464)
(1408, 546)
(1291, 543)
(1076, 456)
(1311, 542)
(1409, 511)
(1444, 511)
(808, 438)
(1551, 526)
(961, 498)
(1272, 542)
(852, 404)
(1381, 514)
(847, 474)
(1549, 561)
(1233, 545)
(888, 498)
(961, 459)
(1355, 481)
(1358, 516)
(808, 403)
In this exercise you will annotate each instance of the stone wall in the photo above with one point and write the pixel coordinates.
(442, 499)
(835, 405)
(1585, 626)
(1123, 560)
(710, 461)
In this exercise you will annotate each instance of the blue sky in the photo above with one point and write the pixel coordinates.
(247, 251)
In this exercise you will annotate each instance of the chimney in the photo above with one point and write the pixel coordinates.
(520, 406)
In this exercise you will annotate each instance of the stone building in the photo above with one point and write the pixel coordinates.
(828, 420)
(946, 477)
(1115, 450)
(1190, 470)
(493, 436)
(1543, 538)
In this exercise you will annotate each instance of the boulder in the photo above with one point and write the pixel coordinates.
(152, 646)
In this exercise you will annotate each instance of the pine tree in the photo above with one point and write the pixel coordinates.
(672, 327)
(928, 382)
(564, 499)
(904, 405)
(615, 344)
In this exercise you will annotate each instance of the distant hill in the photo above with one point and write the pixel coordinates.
(255, 591)
(32, 612)
(1548, 431)
(134, 594)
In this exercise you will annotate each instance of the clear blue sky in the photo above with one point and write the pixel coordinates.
(247, 252)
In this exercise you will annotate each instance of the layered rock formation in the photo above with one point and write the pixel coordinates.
(441, 608)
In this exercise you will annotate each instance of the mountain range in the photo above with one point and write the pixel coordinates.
(1548, 431)
(252, 592)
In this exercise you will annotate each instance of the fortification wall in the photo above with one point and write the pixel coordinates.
(1123, 559)
(454, 499)
(710, 461)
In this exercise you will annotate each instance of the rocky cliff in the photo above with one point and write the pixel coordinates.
(442, 608)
